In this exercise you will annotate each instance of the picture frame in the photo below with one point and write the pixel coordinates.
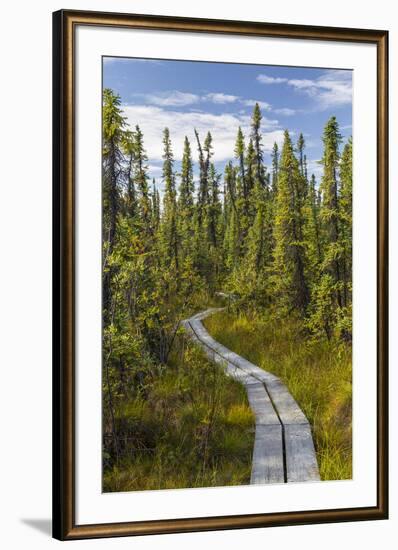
(65, 296)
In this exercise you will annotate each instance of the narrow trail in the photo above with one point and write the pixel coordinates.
(283, 446)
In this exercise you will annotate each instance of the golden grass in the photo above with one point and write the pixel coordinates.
(193, 428)
(317, 373)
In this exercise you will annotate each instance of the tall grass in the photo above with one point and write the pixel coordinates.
(317, 373)
(191, 426)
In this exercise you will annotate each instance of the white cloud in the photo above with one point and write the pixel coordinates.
(171, 99)
(251, 103)
(333, 88)
(220, 98)
(285, 111)
(265, 79)
(176, 98)
(223, 127)
(302, 83)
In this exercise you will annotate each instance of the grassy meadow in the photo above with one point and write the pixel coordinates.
(316, 372)
(191, 427)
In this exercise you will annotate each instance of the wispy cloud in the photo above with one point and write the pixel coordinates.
(171, 99)
(251, 103)
(220, 98)
(265, 79)
(331, 89)
(285, 111)
(223, 127)
(176, 98)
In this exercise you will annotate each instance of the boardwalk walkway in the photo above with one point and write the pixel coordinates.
(283, 447)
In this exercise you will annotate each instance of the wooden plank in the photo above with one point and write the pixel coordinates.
(261, 405)
(301, 463)
(267, 455)
(267, 460)
(229, 355)
(203, 314)
(240, 376)
(279, 420)
(288, 410)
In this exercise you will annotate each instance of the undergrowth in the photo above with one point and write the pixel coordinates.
(190, 426)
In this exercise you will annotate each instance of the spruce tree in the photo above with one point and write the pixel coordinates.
(345, 216)
(186, 208)
(275, 168)
(259, 245)
(240, 156)
(140, 176)
(114, 135)
(329, 212)
(232, 229)
(155, 206)
(290, 284)
(257, 139)
(169, 216)
(300, 151)
(130, 200)
(114, 126)
(205, 154)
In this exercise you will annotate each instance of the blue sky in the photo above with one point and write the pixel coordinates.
(219, 97)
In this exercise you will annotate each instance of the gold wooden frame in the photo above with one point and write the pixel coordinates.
(64, 25)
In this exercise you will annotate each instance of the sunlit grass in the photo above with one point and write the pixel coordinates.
(192, 428)
(317, 373)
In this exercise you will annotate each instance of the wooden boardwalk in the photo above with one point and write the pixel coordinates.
(283, 447)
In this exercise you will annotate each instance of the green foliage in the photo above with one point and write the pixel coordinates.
(289, 278)
(192, 427)
(331, 288)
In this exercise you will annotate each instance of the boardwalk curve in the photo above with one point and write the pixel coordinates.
(283, 446)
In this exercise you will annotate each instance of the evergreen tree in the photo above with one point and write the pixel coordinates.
(259, 245)
(250, 163)
(275, 168)
(169, 217)
(155, 206)
(214, 207)
(258, 149)
(140, 176)
(290, 284)
(305, 168)
(114, 132)
(329, 212)
(240, 156)
(345, 216)
(186, 209)
(130, 202)
(232, 230)
(300, 151)
(311, 233)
